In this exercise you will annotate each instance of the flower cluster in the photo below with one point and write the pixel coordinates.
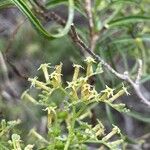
(73, 106)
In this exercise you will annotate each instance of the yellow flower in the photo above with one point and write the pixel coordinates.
(44, 68)
(109, 91)
(114, 131)
(74, 87)
(99, 129)
(39, 84)
(29, 147)
(51, 114)
(55, 77)
(88, 92)
(125, 89)
(85, 91)
(76, 71)
(29, 97)
(89, 61)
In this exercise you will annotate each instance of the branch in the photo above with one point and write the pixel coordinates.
(93, 35)
(139, 74)
(88, 9)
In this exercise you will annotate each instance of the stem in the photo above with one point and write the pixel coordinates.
(71, 129)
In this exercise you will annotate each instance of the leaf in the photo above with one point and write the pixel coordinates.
(126, 1)
(55, 2)
(39, 27)
(127, 20)
(130, 39)
(138, 116)
(145, 79)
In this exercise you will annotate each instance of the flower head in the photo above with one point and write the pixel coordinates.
(55, 77)
(109, 91)
(88, 92)
(51, 114)
(44, 68)
(89, 61)
(76, 71)
(125, 89)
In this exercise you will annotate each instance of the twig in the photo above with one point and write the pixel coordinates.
(93, 35)
(88, 9)
(139, 74)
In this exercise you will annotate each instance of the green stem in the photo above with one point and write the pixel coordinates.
(71, 129)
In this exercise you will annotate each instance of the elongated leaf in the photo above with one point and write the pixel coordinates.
(130, 40)
(145, 79)
(125, 1)
(138, 116)
(129, 19)
(39, 27)
(117, 10)
(55, 2)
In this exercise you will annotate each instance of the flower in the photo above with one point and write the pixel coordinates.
(114, 131)
(74, 87)
(88, 92)
(29, 97)
(55, 77)
(44, 68)
(109, 91)
(76, 71)
(89, 61)
(33, 81)
(99, 129)
(51, 114)
(125, 89)
(39, 84)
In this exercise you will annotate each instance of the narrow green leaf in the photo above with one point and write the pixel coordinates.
(130, 40)
(55, 2)
(39, 27)
(125, 1)
(138, 116)
(127, 20)
(145, 79)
